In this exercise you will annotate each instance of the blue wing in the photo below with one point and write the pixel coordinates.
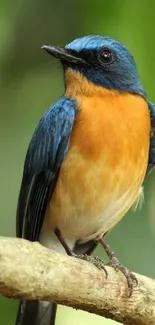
(151, 163)
(44, 157)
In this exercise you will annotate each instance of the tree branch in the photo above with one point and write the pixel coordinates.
(30, 271)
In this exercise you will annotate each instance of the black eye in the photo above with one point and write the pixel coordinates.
(106, 56)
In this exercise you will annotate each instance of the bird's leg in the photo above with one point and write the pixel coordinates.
(63, 242)
(114, 262)
(94, 260)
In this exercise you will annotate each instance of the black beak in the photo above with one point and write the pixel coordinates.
(63, 54)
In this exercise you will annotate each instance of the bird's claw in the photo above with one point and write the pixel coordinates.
(94, 260)
(130, 277)
(114, 262)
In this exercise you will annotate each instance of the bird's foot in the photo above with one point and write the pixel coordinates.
(130, 277)
(114, 262)
(94, 260)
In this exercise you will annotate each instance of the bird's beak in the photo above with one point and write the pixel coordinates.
(62, 54)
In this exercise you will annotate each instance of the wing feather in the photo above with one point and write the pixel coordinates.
(44, 157)
(151, 162)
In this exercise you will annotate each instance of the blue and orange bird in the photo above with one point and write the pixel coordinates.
(87, 159)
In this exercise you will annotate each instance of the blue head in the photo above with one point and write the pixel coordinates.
(102, 60)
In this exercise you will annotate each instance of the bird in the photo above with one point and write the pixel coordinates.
(87, 159)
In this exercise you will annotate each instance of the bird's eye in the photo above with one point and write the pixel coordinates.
(106, 56)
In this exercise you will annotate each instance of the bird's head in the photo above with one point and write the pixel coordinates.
(102, 61)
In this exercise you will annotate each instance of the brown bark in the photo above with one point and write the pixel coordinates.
(30, 271)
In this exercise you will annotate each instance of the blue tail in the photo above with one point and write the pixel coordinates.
(36, 313)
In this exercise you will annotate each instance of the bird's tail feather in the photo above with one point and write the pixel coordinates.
(36, 313)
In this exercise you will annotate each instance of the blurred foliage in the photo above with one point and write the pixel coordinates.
(29, 84)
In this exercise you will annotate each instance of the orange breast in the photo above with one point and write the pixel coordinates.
(104, 168)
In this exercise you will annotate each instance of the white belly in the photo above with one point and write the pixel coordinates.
(78, 230)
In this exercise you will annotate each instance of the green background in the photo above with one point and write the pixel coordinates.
(30, 81)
